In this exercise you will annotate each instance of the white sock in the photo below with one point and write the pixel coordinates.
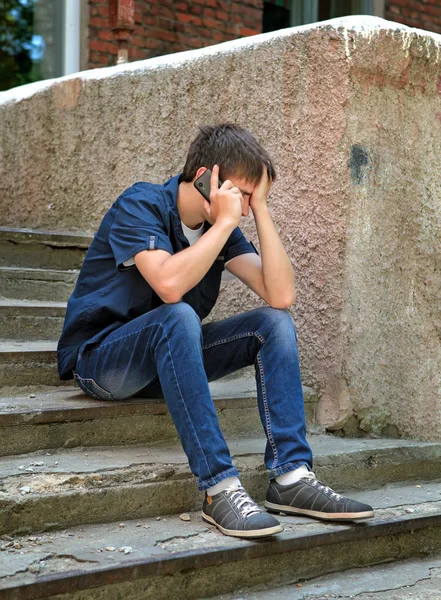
(222, 485)
(292, 476)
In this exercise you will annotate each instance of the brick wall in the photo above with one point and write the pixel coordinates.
(166, 26)
(424, 14)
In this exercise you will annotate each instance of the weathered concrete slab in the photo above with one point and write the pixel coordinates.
(69, 418)
(42, 491)
(30, 363)
(42, 249)
(37, 284)
(350, 110)
(381, 582)
(31, 320)
(199, 561)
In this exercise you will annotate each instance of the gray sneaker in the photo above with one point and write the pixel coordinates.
(310, 497)
(236, 514)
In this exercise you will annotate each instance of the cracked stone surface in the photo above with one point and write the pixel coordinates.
(83, 468)
(406, 580)
(24, 558)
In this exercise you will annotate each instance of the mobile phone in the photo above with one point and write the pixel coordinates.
(203, 184)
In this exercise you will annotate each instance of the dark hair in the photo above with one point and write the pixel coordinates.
(233, 148)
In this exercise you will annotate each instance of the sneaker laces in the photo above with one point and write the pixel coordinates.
(242, 502)
(321, 487)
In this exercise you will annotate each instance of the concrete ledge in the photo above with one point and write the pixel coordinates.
(42, 249)
(31, 363)
(31, 320)
(37, 284)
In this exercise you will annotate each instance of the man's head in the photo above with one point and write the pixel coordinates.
(233, 148)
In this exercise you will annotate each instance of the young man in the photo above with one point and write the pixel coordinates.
(133, 326)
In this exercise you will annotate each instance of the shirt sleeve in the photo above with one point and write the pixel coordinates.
(137, 226)
(237, 245)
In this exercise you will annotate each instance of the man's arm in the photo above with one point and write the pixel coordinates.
(272, 275)
(173, 276)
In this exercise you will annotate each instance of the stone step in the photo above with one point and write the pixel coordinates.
(43, 491)
(42, 249)
(31, 320)
(37, 284)
(31, 363)
(68, 418)
(173, 559)
(392, 581)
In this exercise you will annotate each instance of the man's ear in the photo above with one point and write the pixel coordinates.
(200, 171)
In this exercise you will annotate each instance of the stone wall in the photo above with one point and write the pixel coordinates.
(351, 111)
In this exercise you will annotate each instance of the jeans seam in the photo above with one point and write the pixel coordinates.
(234, 337)
(181, 398)
(214, 479)
(266, 410)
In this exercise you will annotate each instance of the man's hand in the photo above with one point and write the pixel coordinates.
(225, 202)
(259, 197)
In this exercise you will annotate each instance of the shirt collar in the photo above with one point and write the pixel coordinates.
(171, 187)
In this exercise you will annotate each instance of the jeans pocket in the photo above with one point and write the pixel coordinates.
(91, 388)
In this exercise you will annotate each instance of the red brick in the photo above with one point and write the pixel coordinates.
(159, 34)
(105, 34)
(213, 24)
(137, 40)
(224, 5)
(149, 20)
(105, 47)
(245, 31)
(164, 11)
(209, 12)
(432, 10)
(98, 22)
(233, 30)
(183, 6)
(103, 11)
(166, 24)
(252, 24)
(188, 41)
(185, 18)
(221, 15)
(398, 19)
(219, 36)
(395, 9)
(152, 43)
(211, 3)
(195, 9)
(138, 54)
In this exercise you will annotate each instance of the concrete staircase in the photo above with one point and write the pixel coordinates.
(96, 498)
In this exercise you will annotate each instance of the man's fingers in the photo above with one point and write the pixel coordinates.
(214, 181)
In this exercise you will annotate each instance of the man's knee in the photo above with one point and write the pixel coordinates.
(275, 315)
(180, 316)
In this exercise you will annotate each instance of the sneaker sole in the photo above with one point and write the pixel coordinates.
(254, 533)
(278, 508)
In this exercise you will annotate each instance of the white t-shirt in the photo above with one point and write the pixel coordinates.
(192, 236)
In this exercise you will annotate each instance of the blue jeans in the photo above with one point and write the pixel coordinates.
(168, 352)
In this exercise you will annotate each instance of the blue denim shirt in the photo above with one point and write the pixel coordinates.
(108, 294)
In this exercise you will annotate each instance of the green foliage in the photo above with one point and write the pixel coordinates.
(16, 30)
